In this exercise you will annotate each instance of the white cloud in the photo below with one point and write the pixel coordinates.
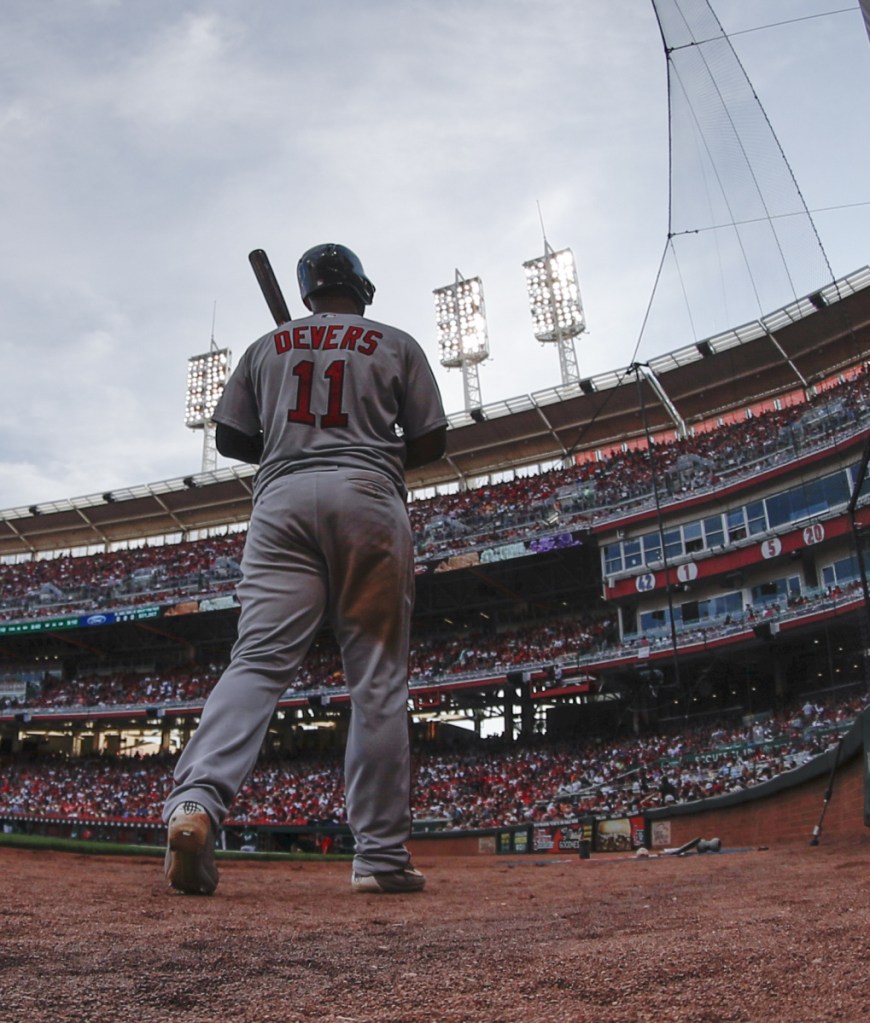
(148, 147)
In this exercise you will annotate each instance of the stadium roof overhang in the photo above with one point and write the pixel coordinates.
(789, 350)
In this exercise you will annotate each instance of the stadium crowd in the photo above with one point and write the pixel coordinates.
(590, 489)
(432, 657)
(557, 643)
(449, 523)
(491, 785)
(494, 784)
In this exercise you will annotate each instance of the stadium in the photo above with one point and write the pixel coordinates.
(642, 619)
(638, 695)
(700, 596)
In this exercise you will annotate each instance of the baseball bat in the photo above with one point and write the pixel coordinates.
(682, 849)
(269, 286)
(829, 791)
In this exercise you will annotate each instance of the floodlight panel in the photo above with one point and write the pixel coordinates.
(460, 313)
(554, 296)
(207, 375)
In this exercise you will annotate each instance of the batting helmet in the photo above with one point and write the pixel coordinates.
(333, 266)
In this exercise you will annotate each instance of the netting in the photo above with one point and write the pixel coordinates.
(741, 241)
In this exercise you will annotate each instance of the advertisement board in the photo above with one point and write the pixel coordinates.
(619, 834)
(561, 838)
(514, 841)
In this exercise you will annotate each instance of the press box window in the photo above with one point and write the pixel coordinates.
(714, 534)
(652, 622)
(692, 538)
(673, 543)
(631, 553)
(841, 572)
(612, 558)
(756, 518)
(652, 548)
(736, 525)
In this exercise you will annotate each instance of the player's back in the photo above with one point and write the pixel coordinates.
(330, 389)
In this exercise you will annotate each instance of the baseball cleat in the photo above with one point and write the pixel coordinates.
(393, 882)
(190, 863)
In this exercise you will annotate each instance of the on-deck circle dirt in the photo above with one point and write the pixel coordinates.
(780, 935)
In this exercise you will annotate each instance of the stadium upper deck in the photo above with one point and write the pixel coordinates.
(787, 351)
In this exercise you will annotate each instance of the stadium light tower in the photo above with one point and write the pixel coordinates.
(207, 375)
(462, 334)
(554, 301)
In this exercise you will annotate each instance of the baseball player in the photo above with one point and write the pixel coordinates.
(316, 403)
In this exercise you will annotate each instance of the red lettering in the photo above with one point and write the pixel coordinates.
(370, 342)
(351, 336)
(302, 413)
(317, 336)
(329, 342)
(334, 373)
(282, 341)
(298, 337)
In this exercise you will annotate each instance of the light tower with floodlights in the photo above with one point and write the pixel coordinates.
(554, 302)
(462, 333)
(207, 375)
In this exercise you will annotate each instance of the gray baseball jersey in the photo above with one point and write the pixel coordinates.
(329, 390)
(329, 541)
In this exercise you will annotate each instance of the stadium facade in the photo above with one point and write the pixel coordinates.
(693, 514)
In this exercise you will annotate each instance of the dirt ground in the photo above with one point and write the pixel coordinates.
(743, 935)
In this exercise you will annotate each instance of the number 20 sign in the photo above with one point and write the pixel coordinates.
(814, 533)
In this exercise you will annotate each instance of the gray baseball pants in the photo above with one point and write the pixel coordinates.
(327, 546)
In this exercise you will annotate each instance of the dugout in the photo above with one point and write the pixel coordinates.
(785, 809)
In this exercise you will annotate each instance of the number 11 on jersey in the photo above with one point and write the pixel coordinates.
(333, 417)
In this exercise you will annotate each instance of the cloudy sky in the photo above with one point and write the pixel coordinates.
(147, 147)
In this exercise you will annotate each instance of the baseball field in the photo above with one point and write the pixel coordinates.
(779, 934)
